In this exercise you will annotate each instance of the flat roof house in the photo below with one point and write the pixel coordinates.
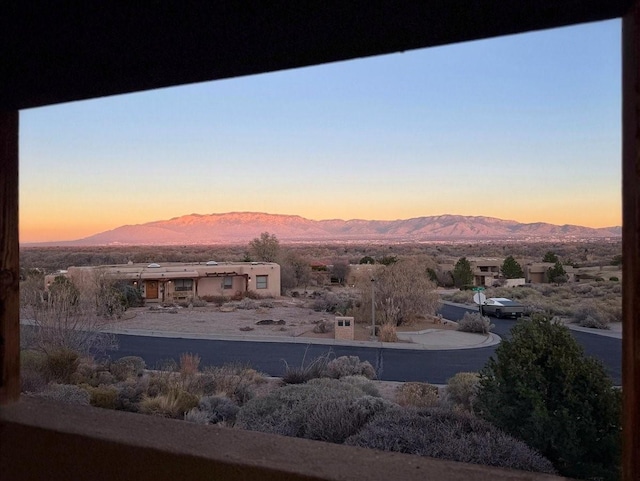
(182, 281)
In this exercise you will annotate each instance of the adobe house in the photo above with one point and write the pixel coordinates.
(486, 270)
(184, 281)
(536, 273)
(52, 53)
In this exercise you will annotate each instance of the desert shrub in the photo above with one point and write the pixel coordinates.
(388, 333)
(417, 394)
(306, 371)
(613, 279)
(199, 302)
(189, 364)
(235, 381)
(127, 366)
(196, 416)
(474, 322)
(103, 396)
(33, 377)
(448, 435)
(61, 364)
(323, 327)
(462, 390)
(213, 410)
(326, 409)
(266, 304)
(251, 294)
(66, 393)
(173, 404)
(215, 300)
(350, 366)
(591, 315)
(336, 418)
(130, 393)
(363, 383)
(559, 401)
(247, 303)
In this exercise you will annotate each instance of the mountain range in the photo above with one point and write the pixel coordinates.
(241, 227)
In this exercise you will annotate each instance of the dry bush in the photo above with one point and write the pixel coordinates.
(363, 383)
(448, 435)
(306, 371)
(235, 381)
(174, 404)
(247, 304)
(66, 393)
(592, 315)
(462, 390)
(403, 293)
(326, 409)
(213, 410)
(103, 396)
(474, 322)
(198, 303)
(189, 364)
(215, 300)
(130, 393)
(349, 366)
(388, 333)
(126, 367)
(33, 371)
(323, 327)
(61, 364)
(417, 394)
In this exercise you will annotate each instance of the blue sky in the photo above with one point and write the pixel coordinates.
(522, 127)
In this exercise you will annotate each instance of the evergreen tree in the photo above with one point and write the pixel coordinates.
(462, 273)
(557, 274)
(550, 257)
(511, 269)
(542, 389)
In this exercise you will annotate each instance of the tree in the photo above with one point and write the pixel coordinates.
(388, 260)
(367, 260)
(403, 292)
(557, 274)
(462, 273)
(511, 269)
(295, 271)
(65, 317)
(550, 257)
(340, 271)
(542, 389)
(265, 248)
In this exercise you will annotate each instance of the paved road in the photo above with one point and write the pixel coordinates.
(391, 364)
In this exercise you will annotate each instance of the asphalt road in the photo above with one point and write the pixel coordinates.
(390, 364)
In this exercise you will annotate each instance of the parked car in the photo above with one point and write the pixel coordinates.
(503, 307)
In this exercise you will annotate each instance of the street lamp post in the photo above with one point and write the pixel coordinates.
(373, 309)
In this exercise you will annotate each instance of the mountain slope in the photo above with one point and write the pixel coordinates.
(237, 227)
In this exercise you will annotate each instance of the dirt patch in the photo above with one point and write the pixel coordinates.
(287, 318)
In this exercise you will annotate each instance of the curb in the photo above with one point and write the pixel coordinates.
(490, 340)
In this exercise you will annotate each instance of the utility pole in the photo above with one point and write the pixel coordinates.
(373, 309)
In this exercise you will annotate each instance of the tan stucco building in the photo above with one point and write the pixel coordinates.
(180, 281)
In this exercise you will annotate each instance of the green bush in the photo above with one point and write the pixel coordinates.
(447, 435)
(540, 388)
(613, 279)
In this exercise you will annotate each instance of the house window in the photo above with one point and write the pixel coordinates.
(261, 282)
(227, 282)
(183, 285)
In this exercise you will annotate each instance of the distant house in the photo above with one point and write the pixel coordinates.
(486, 270)
(536, 273)
(179, 281)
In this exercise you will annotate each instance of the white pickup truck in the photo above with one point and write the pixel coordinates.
(503, 307)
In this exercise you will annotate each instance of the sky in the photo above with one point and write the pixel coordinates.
(524, 127)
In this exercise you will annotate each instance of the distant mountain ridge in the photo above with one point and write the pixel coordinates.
(241, 227)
